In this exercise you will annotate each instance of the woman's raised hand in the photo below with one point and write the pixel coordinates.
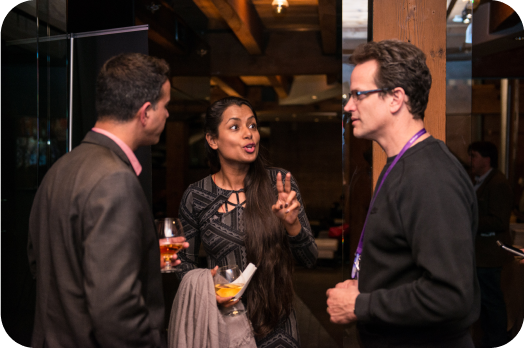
(287, 206)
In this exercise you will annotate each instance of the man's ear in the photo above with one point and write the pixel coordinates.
(142, 113)
(211, 141)
(399, 98)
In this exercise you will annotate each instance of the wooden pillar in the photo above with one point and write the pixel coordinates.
(177, 162)
(504, 97)
(423, 23)
(514, 135)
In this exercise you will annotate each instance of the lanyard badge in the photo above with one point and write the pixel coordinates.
(356, 267)
(356, 263)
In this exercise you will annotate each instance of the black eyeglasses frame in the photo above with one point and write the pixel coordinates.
(357, 94)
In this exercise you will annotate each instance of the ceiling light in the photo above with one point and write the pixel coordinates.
(519, 38)
(280, 5)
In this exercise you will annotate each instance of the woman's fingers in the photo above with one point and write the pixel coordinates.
(295, 205)
(226, 301)
(290, 198)
(214, 271)
(287, 187)
(280, 187)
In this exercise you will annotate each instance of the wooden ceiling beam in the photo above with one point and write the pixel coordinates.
(327, 16)
(450, 8)
(241, 16)
(162, 26)
(286, 53)
(161, 40)
(499, 14)
(233, 86)
(208, 8)
(281, 85)
(489, 66)
(331, 105)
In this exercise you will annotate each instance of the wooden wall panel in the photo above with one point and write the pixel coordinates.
(423, 23)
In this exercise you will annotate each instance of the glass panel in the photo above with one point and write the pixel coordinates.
(34, 125)
(53, 53)
(20, 155)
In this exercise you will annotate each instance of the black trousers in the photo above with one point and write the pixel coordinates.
(462, 340)
(493, 316)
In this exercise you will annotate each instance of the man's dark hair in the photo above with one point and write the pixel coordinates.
(400, 64)
(486, 149)
(126, 82)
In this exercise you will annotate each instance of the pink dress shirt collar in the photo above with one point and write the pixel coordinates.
(127, 150)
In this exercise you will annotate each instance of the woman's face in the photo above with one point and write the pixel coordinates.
(238, 138)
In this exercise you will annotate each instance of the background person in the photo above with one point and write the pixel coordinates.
(495, 201)
(417, 284)
(244, 213)
(92, 243)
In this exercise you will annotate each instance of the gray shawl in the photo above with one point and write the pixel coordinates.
(196, 321)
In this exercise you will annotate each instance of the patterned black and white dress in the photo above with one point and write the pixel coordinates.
(222, 236)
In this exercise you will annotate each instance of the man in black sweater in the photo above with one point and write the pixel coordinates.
(417, 285)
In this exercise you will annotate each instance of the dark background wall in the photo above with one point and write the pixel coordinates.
(34, 128)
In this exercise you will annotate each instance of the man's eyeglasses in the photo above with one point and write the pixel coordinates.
(359, 95)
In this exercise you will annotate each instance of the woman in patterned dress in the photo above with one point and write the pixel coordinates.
(244, 213)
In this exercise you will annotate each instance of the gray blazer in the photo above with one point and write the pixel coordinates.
(94, 252)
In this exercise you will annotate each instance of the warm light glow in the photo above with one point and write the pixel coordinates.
(279, 5)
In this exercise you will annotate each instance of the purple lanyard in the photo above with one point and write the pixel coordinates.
(356, 262)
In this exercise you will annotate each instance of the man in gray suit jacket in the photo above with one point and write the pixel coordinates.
(92, 242)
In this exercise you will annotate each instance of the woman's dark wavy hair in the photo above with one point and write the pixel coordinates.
(400, 64)
(126, 82)
(270, 293)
